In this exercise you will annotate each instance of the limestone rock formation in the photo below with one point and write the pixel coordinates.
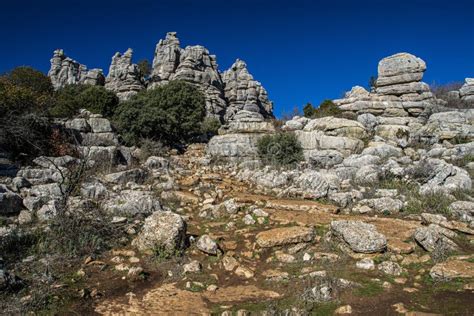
(124, 77)
(243, 92)
(65, 71)
(466, 93)
(193, 64)
(225, 95)
(399, 91)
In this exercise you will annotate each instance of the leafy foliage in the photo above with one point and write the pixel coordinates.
(27, 77)
(210, 126)
(145, 68)
(280, 149)
(93, 98)
(172, 113)
(308, 110)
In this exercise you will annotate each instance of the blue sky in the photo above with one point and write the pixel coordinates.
(302, 51)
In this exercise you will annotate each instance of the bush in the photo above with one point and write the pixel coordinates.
(96, 99)
(308, 110)
(442, 92)
(327, 108)
(145, 68)
(172, 113)
(210, 126)
(280, 149)
(25, 128)
(27, 77)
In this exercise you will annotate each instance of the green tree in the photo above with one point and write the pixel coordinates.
(172, 113)
(210, 126)
(70, 99)
(308, 110)
(281, 149)
(327, 108)
(145, 68)
(30, 78)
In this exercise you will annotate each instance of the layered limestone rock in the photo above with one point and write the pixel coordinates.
(242, 92)
(65, 71)
(225, 95)
(399, 91)
(192, 64)
(124, 77)
(466, 93)
(238, 139)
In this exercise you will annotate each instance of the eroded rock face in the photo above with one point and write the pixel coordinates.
(124, 77)
(359, 236)
(164, 231)
(192, 64)
(65, 71)
(242, 92)
(225, 95)
(399, 90)
(466, 93)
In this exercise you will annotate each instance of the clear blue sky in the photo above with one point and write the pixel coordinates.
(300, 50)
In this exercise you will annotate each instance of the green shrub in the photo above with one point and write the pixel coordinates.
(95, 99)
(25, 128)
(210, 126)
(144, 67)
(172, 113)
(280, 149)
(327, 108)
(30, 78)
(308, 110)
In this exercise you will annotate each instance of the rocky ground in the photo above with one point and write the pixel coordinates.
(248, 251)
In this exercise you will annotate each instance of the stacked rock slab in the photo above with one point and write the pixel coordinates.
(124, 77)
(238, 139)
(466, 93)
(399, 91)
(95, 136)
(242, 92)
(65, 71)
(193, 64)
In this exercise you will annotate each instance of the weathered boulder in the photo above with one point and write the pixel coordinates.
(10, 202)
(124, 77)
(359, 236)
(207, 245)
(462, 210)
(390, 267)
(466, 93)
(136, 175)
(333, 126)
(399, 91)
(65, 71)
(452, 269)
(132, 202)
(162, 231)
(433, 236)
(443, 177)
(449, 126)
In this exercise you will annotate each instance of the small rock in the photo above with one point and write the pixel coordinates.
(391, 268)
(346, 309)
(207, 245)
(193, 266)
(366, 264)
(244, 272)
(248, 220)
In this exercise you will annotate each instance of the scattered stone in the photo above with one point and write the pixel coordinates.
(192, 267)
(359, 236)
(343, 310)
(452, 269)
(207, 245)
(244, 272)
(366, 264)
(162, 230)
(391, 268)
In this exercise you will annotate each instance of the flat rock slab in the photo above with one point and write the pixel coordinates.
(170, 300)
(285, 236)
(300, 205)
(452, 269)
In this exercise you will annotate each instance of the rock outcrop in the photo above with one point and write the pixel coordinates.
(192, 64)
(466, 93)
(399, 91)
(242, 92)
(65, 71)
(124, 78)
